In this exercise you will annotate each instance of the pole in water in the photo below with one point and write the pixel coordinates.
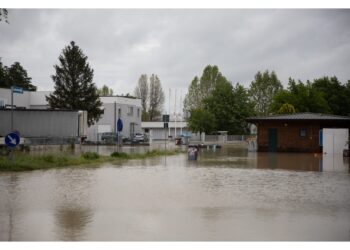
(11, 109)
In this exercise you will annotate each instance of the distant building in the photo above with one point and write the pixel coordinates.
(43, 123)
(156, 130)
(301, 132)
(125, 108)
(129, 110)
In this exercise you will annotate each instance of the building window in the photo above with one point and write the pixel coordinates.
(138, 113)
(302, 132)
(130, 111)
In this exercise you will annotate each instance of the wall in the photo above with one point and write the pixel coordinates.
(40, 123)
(20, 100)
(288, 136)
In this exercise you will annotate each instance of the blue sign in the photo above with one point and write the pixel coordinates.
(16, 89)
(12, 140)
(119, 125)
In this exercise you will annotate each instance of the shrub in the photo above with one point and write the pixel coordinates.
(90, 155)
(119, 155)
(48, 158)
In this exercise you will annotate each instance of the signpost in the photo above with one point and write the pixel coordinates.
(119, 129)
(12, 140)
(166, 124)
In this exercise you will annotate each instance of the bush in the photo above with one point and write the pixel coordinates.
(119, 155)
(90, 155)
(48, 158)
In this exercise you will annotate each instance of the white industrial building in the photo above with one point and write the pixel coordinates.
(156, 130)
(127, 109)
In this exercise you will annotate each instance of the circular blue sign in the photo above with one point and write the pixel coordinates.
(12, 140)
(119, 125)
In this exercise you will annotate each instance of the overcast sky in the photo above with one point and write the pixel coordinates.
(177, 44)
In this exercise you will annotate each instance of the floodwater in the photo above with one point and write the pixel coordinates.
(228, 194)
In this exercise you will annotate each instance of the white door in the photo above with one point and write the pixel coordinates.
(335, 140)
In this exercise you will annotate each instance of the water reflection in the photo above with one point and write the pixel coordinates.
(9, 199)
(72, 222)
(233, 157)
(73, 209)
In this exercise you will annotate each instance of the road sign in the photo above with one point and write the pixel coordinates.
(17, 90)
(119, 125)
(12, 140)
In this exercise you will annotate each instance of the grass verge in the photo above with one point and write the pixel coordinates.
(26, 162)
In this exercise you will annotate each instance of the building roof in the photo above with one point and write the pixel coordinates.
(300, 116)
(38, 110)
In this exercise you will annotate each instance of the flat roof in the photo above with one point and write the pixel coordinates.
(50, 110)
(299, 116)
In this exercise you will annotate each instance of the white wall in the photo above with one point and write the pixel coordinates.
(335, 140)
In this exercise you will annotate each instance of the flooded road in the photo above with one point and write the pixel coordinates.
(228, 194)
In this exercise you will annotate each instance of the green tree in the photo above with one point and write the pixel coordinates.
(192, 99)
(156, 97)
(304, 98)
(230, 107)
(4, 15)
(243, 108)
(3, 81)
(141, 91)
(201, 88)
(74, 87)
(335, 94)
(262, 91)
(105, 91)
(286, 109)
(15, 75)
(201, 120)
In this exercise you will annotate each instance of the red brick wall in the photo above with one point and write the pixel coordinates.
(288, 136)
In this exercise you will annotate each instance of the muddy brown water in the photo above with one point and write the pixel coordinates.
(228, 194)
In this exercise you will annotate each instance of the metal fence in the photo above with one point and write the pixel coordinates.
(221, 138)
(50, 140)
(237, 137)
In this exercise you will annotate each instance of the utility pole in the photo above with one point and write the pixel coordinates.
(169, 109)
(175, 114)
(11, 109)
(181, 111)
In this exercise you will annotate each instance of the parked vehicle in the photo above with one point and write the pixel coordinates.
(138, 137)
(109, 137)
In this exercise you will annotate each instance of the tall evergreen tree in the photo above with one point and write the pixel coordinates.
(2, 76)
(15, 75)
(74, 87)
(3, 15)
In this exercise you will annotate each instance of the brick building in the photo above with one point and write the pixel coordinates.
(301, 132)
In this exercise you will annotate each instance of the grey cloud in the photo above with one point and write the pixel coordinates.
(177, 44)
